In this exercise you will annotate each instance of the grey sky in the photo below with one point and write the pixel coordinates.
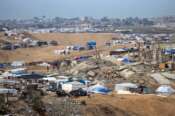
(23, 9)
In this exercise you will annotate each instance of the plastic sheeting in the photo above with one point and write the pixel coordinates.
(50, 79)
(17, 63)
(98, 89)
(169, 51)
(44, 64)
(71, 86)
(5, 91)
(126, 60)
(123, 88)
(165, 89)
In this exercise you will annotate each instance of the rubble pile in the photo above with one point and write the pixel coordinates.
(108, 73)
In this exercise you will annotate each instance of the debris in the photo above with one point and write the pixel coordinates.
(168, 75)
(91, 73)
(127, 73)
(160, 79)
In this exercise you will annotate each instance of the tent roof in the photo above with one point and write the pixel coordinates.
(98, 89)
(131, 85)
(165, 89)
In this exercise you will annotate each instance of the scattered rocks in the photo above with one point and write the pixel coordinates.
(127, 73)
(84, 67)
(91, 73)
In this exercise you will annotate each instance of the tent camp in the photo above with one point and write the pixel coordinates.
(100, 89)
(165, 90)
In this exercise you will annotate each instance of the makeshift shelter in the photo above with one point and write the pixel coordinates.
(70, 86)
(17, 63)
(57, 84)
(7, 81)
(85, 82)
(165, 90)
(124, 60)
(124, 88)
(82, 58)
(100, 89)
(91, 44)
(9, 91)
(27, 40)
(78, 47)
(30, 76)
(2, 65)
(49, 79)
(119, 51)
(44, 64)
(169, 51)
(14, 72)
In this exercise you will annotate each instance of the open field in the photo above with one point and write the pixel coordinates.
(76, 38)
(47, 53)
(124, 105)
(130, 105)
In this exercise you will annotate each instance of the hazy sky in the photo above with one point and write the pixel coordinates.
(23, 9)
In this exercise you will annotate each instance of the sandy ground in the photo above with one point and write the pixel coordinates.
(124, 105)
(76, 38)
(130, 105)
(47, 53)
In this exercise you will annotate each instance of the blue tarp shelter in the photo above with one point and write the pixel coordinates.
(98, 89)
(126, 60)
(169, 51)
(2, 65)
(165, 89)
(91, 44)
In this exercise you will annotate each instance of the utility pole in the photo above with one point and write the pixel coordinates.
(97, 54)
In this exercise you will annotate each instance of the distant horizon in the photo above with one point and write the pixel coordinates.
(88, 17)
(27, 9)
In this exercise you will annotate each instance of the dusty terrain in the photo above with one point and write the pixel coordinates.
(124, 105)
(130, 105)
(96, 105)
(47, 53)
(76, 38)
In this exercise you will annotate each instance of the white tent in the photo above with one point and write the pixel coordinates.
(100, 89)
(17, 63)
(5, 91)
(44, 64)
(123, 88)
(165, 89)
(49, 79)
(70, 86)
(27, 40)
(14, 72)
